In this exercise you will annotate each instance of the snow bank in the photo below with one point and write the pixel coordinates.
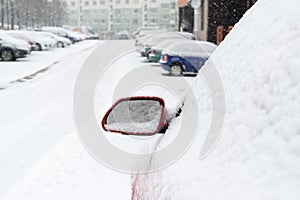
(258, 155)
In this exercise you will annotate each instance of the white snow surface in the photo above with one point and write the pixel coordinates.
(41, 155)
(258, 154)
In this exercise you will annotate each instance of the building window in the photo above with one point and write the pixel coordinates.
(127, 1)
(153, 1)
(73, 3)
(94, 3)
(136, 1)
(102, 2)
(173, 5)
(117, 12)
(153, 10)
(86, 3)
(165, 5)
(135, 21)
(153, 21)
(117, 1)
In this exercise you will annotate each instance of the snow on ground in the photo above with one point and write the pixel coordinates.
(41, 156)
(36, 61)
(258, 155)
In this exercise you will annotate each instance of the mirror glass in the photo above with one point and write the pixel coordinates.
(135, 116)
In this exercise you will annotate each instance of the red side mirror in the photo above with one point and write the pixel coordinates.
(140, 115)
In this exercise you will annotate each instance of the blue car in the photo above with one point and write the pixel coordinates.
(186, 57)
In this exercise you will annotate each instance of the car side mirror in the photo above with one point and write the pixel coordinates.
(135, 116)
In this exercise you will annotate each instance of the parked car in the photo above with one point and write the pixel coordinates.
(11, 48)
(91, 34)
(63, 33)
(123, 35)
(155, 51)
(187, 35)
(186, 56)
(139, 40)
(38, 41)
(140, 32)
(81, 36)
(152, 41)
(61, 42)
(42, 42)
(19, 34)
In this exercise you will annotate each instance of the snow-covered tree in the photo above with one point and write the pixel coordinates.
(31, 13)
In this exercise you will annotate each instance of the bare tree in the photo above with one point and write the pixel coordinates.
(32, 13)
(2, 3)
(12, 14)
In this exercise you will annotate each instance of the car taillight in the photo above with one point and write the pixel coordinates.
(31, 43)
(154, 52)
(165, 57)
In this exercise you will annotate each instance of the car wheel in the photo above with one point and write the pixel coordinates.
(39, 47)
(60, 45)
(7, 55)
(176, 69)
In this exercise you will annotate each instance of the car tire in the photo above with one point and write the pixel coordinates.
(39, 47)
(7, 55)
(176, 69)
(60, 45)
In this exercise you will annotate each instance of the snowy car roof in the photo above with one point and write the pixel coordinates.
(190, 48)
(160, 38)
(167, 43)
(4, 36)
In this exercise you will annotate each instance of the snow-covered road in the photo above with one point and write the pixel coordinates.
(41, 155)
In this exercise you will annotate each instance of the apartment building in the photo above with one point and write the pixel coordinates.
(120, 15)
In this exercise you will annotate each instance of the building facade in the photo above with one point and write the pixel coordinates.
(121, 15)
(215, 17)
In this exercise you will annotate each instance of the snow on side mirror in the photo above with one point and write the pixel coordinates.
(135, 116)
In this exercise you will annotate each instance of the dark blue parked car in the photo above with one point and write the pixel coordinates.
(186, 57)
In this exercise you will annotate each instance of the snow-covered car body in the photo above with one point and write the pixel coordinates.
(42, 42)
(142, 31)
(186, 56)
(20, 34)
(152, 41)
(155, 51)
(63, 33)
(61, 42)
(79, 36)
(141, 39)
(12, 48)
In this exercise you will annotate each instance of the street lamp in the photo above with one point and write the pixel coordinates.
(196, 4)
